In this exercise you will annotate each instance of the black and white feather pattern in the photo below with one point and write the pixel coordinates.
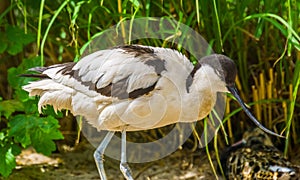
(128, 86)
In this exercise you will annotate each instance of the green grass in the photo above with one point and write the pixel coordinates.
(261, 36)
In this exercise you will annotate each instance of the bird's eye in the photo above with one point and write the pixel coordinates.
(220, 74)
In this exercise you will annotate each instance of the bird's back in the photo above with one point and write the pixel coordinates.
(138, 86)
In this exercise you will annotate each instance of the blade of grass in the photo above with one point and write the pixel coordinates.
(198, 13)
(292, 105)
(48, 28)
(267, 17)
(136, 7)
(218, 25)
(89, 23)
(217, 154)
(7, 10)
(207, 149)
(38, 41)
(290, 22)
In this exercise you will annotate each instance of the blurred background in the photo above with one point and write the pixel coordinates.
(261, 36)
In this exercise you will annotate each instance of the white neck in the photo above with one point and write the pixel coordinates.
(202, 94)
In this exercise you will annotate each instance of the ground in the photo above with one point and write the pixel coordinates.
(78, 163)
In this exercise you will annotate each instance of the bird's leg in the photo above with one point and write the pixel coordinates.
(123, 165)
(99, 154)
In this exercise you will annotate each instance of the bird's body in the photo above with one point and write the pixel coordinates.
(258, 158)
(142, 89)
(130, 88)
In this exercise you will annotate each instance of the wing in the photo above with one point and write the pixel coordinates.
(122, 72)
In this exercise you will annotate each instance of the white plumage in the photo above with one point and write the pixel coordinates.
(158, 107)
(130, 88)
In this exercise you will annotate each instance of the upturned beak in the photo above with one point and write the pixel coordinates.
(235, 93)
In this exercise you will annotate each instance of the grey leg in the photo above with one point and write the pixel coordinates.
(99, 154)
(123, 165)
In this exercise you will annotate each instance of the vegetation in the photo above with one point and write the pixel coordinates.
(261, 36)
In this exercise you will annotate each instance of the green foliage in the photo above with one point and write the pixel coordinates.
(24, 126)
(259, 35)
(16, 81)
(8, 107)
(8, 151)
(13, 39)
(36, 131)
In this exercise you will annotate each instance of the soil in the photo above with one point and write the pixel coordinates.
(78, 163)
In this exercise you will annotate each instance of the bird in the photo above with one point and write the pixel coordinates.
(255, 157)
(135, 87)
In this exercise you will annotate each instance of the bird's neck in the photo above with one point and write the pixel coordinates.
(198, 104)
(201, 97)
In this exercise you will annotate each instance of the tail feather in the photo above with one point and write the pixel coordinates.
(41, 76)
(52, 93)
(38, 69)
(60, 90)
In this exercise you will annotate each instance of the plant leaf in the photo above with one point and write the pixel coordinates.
(17, 39)
(8, 161)
(8, 151)
(36, 131)
(20, 129)
(8, 107)
(135, 3)
(16, 81)
(3, 42)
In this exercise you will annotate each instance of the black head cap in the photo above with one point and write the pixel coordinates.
(224, 67)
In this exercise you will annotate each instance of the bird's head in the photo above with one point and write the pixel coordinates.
(257, 136)
(223, 68)
(223, 75)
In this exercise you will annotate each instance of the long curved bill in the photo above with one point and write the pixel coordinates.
(235, 93)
